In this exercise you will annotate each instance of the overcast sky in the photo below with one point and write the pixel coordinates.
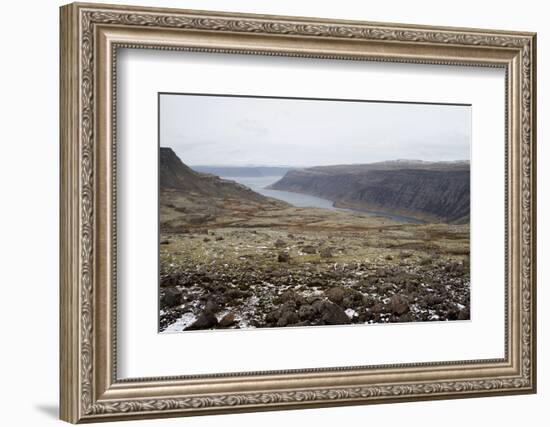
(214, 130)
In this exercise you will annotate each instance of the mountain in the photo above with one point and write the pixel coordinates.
(242, 171)
(429, 190)
(175, 175)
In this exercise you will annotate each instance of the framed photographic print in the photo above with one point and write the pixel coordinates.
(266, 212)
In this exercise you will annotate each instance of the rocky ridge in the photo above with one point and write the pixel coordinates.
(437, 191)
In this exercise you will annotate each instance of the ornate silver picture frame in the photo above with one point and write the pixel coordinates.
(91, 37)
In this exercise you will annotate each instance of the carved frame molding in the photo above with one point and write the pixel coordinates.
(89, 388)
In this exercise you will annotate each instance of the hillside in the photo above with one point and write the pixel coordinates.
(192, 199)
(175, 175)
(432, 190)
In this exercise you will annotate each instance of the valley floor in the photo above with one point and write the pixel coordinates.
(242, 265)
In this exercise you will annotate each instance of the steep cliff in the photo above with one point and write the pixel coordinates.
(439, 190)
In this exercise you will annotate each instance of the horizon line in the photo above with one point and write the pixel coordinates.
(330, 164)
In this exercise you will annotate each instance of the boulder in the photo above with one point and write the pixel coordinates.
(291, 296)
(170, 279)
(464, 314)
(289, 305)
(308, 249)
(317, 305)
(368, 301)
(279, 243)
(336, 294)
(234, 294)
(434, 300)
(306, 312)
(206, 320)
(212, 306)
(326, 253)
(455, 268)
(333, 314)
(171, 297)
(379, 308)
(407, 317)
(227, 320)
(283, 257)
(272, 317)
(399, 304)
(287, 318)
(350, 301)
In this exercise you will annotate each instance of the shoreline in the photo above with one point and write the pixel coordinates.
(393, 215)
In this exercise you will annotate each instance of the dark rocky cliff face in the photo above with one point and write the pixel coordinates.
(430, 190)
(175, 175)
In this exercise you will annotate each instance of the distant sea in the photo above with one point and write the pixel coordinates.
(299, 200)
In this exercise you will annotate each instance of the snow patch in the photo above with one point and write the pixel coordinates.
(351, 313)
(183, 322)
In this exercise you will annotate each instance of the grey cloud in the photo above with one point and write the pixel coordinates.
(242, 131)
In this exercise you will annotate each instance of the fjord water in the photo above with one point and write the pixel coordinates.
(259, 184)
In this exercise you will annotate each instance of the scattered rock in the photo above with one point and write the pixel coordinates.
(206, 239)
(464, 314)
(288, 318)
(326, 253)
(455, 268)
(399, 304)
(227, 320)
(171, 279)
(171, 297)
(206, 320)
(308, 249)
(306, 312)
(336, 295)
(211, 306)
(283, 257)
(291, 296)
(407, 317)
(379, 308)
(234, 294)
(263, 284)
(279, 243)
(426, 261)
(381, 272)
(351, 301)
(334, 314)
(368, 301)
(452, 312)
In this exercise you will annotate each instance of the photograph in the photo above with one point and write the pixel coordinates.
(296, 212)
